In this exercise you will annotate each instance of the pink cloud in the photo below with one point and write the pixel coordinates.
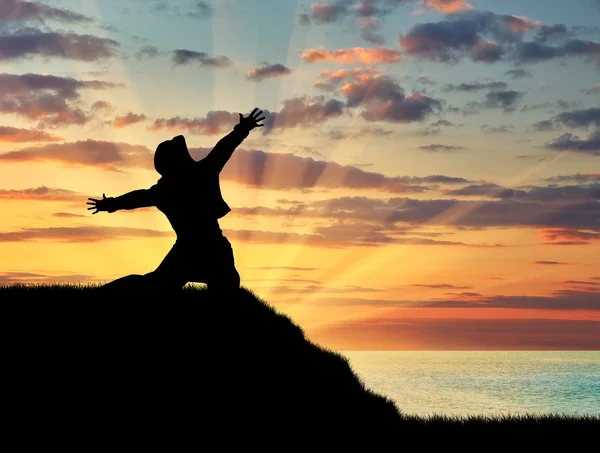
(352, 56)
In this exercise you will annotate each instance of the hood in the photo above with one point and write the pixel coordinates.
(172, 156)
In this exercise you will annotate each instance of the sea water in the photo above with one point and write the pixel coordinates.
(483, 383)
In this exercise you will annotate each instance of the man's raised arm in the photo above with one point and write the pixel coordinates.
(225, 147)
(131, 200)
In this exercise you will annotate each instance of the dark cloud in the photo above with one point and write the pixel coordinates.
(373, 38)
(303, 19)
(578, 299)
(570, 142)
(183, 56)
(358, 234)
(534, 52)
(215, 122)
(476, 86)
(547, 33)
(501, 129)
(549, 263)
(296, 112)
(351, 133)
(506, 100)
(436, 127)
(30, 42)
(486, 190)
(289, 171)
(18, 135)
(41, 193)
(591, 91)
(526, 211)
(487, 52)
(147, 52)
(544, 125)
(245, 167)
(268, 71)
(488, 37)
(201, 9)
(549, 193)
(579, 118)
(103, 107)
(476, 34)
(384, 99)
(551, 105)
(50, 100)
(128, 119)
(425, 80)
(92, 153)
(21, 10)
(80, 234)
(322, 13)
(516, 74)
(438, 148)
(462, 334)
(580, 178)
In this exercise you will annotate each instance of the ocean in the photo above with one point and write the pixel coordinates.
(483, 383)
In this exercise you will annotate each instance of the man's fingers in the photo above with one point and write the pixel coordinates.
(260, 119)
(93, 199)
(94, 212)
(252, 114)
(241, 116)
(259, 125)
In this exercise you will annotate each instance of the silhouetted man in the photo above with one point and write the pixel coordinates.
(188, 193)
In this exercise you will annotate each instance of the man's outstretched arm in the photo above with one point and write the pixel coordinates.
(225, 147)
(131, 200)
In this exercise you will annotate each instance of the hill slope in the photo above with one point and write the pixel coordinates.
(187, 369)
(183, 364)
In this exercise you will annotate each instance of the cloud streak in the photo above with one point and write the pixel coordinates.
(71, 46)
(52, 101)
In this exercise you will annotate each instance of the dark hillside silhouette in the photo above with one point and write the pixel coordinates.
(187, 365)
(185, 370)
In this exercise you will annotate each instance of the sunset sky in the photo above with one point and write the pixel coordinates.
(428, 176)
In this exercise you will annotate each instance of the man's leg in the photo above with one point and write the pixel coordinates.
(170, 274)
(222, 276)
(133, 281)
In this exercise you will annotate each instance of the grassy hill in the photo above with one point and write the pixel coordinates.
(190, 367)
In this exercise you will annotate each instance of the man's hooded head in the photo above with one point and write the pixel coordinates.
(172, 156)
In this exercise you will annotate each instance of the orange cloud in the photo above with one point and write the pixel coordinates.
(449, 6)
(335, 78)
(80, 234)
(40, 193)
(108, 155)
(568, 236)
(127, 120)
(353, 55)
(16, 135)
(521, 24)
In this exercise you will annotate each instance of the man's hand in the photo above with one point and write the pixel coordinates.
(251, 121)
(98, 205)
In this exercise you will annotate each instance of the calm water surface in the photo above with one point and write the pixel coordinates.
(464, 383)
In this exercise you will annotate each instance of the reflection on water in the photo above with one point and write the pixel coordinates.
(481, 382)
